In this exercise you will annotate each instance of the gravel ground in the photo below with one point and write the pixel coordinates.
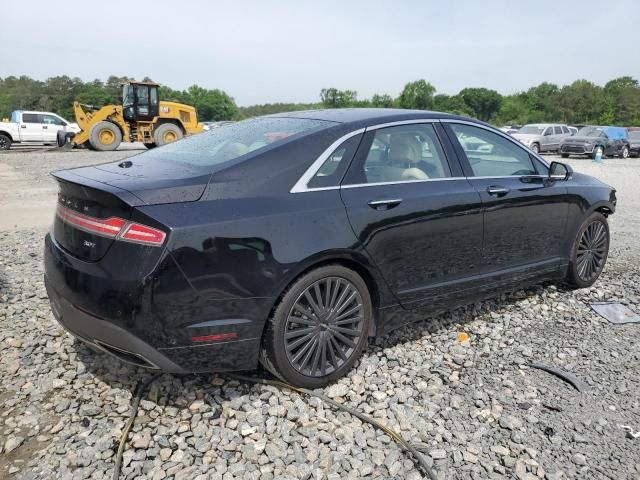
(474, 408)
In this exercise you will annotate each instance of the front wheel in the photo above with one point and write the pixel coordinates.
(5, 142)
(105, 136)
(598, 151)
(320, 327)
(624, 153)
(589, 252)
(535, 148)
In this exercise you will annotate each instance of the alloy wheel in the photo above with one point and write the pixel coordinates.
(592, 251)
(324, 327)
(625, 152)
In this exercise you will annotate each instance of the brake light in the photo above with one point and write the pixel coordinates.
(112, 227)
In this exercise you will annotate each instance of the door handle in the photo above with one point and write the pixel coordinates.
(385, 204)
(23, 126)
(44, 127)
(497, 191)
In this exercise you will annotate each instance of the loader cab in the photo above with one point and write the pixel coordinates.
(140, 101)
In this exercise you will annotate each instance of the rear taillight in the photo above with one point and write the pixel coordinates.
(112, 227)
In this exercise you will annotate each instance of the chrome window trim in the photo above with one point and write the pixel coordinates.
(400, 182)
(499, 132)
(301, 184)
(400, 123)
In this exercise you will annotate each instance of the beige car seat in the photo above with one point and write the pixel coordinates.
(405, 151)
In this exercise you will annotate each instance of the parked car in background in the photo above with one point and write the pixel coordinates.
(293, 239)
(542, 137)
(210, 125)
(591, 140)
(33, 128)
(573, 130)
(510, 129)
(634, 143)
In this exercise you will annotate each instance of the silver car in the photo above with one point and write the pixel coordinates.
(543, 137)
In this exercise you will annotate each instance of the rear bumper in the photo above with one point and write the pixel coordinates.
(148, 324)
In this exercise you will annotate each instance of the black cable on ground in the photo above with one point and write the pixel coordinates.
(137, 396)
(406, 446)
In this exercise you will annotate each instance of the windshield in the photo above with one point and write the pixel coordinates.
(127, 95)
(231, 141)
(589, 132)
(531, 130)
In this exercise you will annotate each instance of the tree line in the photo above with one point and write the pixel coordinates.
(581, 102)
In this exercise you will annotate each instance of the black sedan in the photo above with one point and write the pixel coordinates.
(292, 239)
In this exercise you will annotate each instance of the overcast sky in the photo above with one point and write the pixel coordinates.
(286, 50)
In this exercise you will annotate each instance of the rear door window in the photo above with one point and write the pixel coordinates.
(402, 153)
(31, 118)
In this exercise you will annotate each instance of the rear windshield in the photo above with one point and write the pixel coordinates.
(231, 141)
(531, 130)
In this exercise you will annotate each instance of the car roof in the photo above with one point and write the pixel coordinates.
(365, 115)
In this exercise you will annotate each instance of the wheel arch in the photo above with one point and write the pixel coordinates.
(353, 261)
(7, 134)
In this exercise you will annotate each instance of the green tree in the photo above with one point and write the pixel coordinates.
(417, 95)
(211, 104)
(581, 102)
(450, 104)
(382, 101)
(621, 102)
(334, 98)
(483, 103)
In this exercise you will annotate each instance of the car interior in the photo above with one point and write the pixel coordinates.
(404, 154)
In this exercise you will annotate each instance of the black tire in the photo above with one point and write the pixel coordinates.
(535, 148)
(5, 142)
(564, 155)
(320, 326)
(105, 136)
(60, 137)
(167, 133)
(150, 145)
(624, 153)
(588, 252)
(64, 137)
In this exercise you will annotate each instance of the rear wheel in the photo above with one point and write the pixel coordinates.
(5, 142)
(167, 133)
(105, 136)
(564, 155)
(320, 327)
(150, 145)
(589, 251)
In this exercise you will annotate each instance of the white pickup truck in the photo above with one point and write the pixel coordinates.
(33, 128)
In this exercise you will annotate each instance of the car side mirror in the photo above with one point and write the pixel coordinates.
(560, 171)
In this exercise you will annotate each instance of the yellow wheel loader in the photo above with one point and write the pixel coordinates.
(142, 117)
